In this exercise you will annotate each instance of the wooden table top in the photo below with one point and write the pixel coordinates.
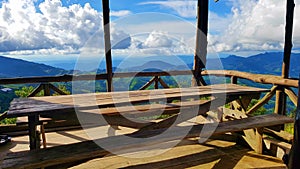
(26, 106)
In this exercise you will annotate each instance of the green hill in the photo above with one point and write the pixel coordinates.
(10, 67)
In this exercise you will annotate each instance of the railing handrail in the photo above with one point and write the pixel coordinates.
(259, 78)
(103, 76)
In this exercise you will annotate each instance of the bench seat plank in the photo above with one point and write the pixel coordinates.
(89, 149)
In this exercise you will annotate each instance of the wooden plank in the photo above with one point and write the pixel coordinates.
(89, 149)
(151, 109)
(280, 135)
(185, 115)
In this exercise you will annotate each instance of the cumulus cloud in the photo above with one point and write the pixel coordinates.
(255, 25)
(49, 27)
(158, 39)
(155, 43)
(184, 8)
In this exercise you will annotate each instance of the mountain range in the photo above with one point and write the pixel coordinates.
(10, 67)
(265, 63)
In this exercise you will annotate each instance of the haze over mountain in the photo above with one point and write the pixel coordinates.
(265, 63)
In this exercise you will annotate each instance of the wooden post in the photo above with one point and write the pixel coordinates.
(107, 44)
(294, 162)
(201, 42)
(280, 106)
(34, 136)
(46, 87)
(234, 79)
(156, 82)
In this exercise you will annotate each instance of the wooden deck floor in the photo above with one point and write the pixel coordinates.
(188, 154)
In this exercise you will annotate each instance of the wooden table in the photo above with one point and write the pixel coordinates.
(114, 104)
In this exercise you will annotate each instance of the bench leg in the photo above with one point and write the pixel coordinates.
(34, 136)
(43, 136)
(259, 140)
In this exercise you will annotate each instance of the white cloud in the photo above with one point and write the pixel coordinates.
(120, 13)
(184, 8)
(49, 27)
(157, 39)
(256, 25)
(155, 43)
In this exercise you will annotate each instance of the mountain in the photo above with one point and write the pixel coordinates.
(265, 63)
(153, 66)
(10, 67)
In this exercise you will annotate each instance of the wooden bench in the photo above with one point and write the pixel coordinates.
(89, 149)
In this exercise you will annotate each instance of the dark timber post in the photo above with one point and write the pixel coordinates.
(280, 106)
(107, 44)
(201, 42)
(294, 155)
(46, 87)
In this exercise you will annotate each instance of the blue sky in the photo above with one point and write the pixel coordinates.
(64, 28)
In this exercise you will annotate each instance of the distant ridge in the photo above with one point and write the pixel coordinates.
(264, 63)
(10, 67)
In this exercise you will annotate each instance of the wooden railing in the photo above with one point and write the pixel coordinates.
(46, 86)
(278, 82)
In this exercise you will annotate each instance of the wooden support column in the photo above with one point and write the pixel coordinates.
(201, 42)
(280, 95)
(156, 82)
(107, 44)
(234, 80)
(294, 162)
(46, 88)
